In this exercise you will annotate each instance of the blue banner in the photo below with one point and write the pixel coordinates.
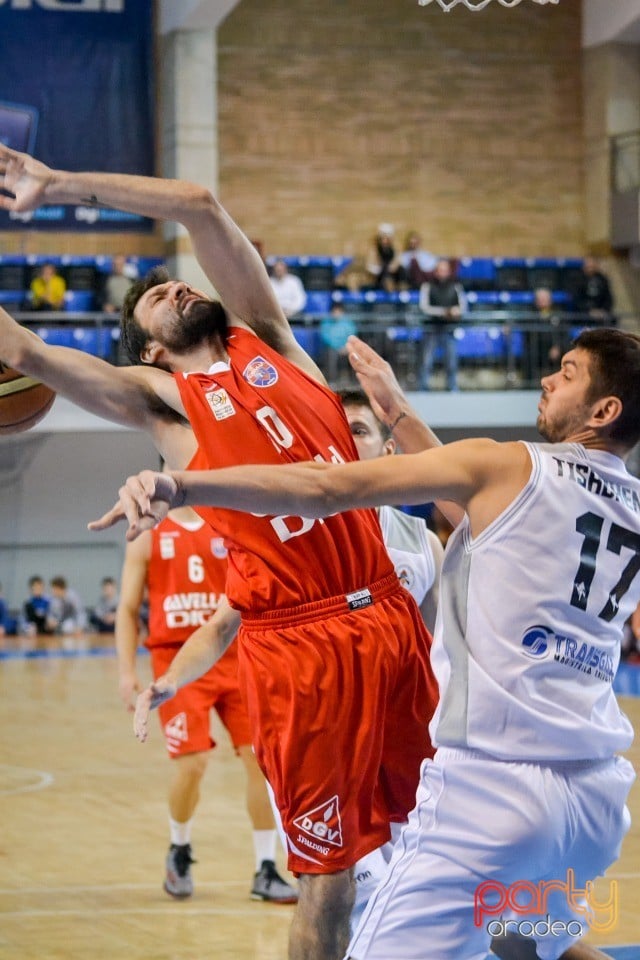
(77, 90)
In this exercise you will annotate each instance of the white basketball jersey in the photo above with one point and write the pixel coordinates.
(407, 543)
(527, 639)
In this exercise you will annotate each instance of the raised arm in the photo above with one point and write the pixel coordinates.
(391, 406)
(195, 657)
(226, 255)
(481, 476)
(133, 396)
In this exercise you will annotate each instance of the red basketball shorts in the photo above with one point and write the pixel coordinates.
(185, 719)
(340, 700)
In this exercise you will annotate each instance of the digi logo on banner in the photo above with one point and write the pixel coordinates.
(68, 6)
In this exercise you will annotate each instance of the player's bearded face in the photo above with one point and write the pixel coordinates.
(191, 327)
(555, 424)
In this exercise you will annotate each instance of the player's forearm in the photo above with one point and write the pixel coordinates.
(201, 651)
(126, 638)
(18, 345)
(147, 196)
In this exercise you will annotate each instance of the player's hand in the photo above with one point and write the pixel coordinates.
(143, 502)
(129, 687)
(377, 379)
(23, 177)
(155, 694)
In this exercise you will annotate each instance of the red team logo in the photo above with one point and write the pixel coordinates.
(260, 373)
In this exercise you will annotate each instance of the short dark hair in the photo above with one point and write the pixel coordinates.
(133, 338)
(35, 579)
(59, 582)
(358, 398)
(106, 580)
(615, 371)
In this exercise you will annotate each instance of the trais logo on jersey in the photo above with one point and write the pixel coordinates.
(405, 576)
(167, 547)
(260, 373)
(535, 641)
(220, 404)
(539, 642)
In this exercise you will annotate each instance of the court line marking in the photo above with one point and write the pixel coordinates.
(45, 780)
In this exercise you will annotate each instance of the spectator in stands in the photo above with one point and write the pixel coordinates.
(66, 612)
(417, 265)
(553, 341)
(382, 264)
(103, 615)
(36, 608)
(288, 289)
(335, 329)
(594, 293)
(7, 622)
(117, 284)
(48, 289)
(441, 301)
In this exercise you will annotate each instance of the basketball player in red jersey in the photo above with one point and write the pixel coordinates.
(184, 569)
(333, 655)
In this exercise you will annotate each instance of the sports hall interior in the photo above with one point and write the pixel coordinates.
(494, 134)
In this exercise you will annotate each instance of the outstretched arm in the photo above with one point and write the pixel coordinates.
(473, 473)
(195, 657)
(391, 406)
(132, 579)
(132, 396)
(226, 255)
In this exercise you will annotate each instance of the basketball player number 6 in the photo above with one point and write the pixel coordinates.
(590, 526)
(195, 568)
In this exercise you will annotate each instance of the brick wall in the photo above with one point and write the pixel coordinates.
(467, 126)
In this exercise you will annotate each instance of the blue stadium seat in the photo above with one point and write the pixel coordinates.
(94, 340)
(480, 343)
(318, 301)
(56, 336)
(308, 339)
(477, 273)
(79, 301)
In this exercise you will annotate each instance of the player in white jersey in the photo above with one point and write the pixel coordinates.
(525, 800)
(415, 550)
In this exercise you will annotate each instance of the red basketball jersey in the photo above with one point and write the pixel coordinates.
(186, 578)
(261, 408)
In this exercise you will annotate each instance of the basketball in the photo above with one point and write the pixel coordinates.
(23, 401)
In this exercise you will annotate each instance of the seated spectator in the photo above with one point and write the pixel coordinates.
(7, 622)
(334, 331)
(417, 265)
(48, 289)
(66, 612)
(288, 288)
(103, 615)
(441, 301)
(117, 284)
(382, 264)
(36, 608)
(594, 296)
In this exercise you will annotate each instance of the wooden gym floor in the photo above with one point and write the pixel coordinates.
(84, 831)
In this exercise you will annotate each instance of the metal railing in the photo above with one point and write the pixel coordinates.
(497, 349)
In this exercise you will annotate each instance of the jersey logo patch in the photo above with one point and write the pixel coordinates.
(260, 373)
(218, 548)
(176, 732)
(167, 548)
(220, 404)
(323, 822)
(405, 576)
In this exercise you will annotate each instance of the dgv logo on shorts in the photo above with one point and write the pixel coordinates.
(323, 822)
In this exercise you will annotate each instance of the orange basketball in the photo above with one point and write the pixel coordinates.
(23, 401)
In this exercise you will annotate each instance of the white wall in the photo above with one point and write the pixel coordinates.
(604, 21)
